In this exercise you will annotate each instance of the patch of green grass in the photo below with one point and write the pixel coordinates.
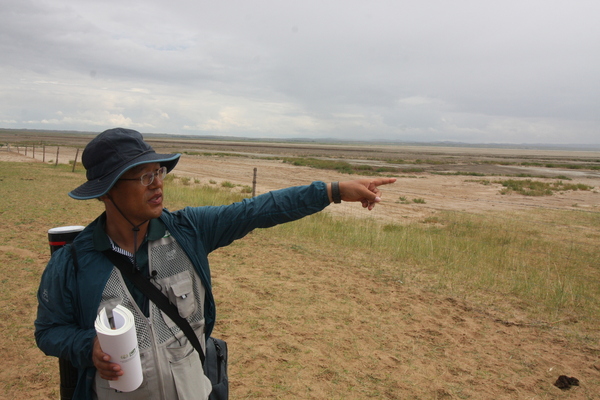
(573, 166)
(485, 182)
(460, 173)
(412, 170)
(402, 200)
(217, 154)
(395, 161)
(178, 196)
(340, 166)
(584, 164)
(432, 162)
(227, 184)
(528, 187)
(170, 178)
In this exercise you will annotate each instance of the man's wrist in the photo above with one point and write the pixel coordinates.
(336, 196)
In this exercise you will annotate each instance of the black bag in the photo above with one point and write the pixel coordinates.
(215, 368)
(215, 361)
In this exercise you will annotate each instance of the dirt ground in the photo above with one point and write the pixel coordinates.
(431, 346)
(440, 192)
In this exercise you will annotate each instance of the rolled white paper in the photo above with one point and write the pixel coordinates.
(121, 344)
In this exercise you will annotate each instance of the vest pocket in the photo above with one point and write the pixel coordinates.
(189, 379)
(105, 392)
(180, 290)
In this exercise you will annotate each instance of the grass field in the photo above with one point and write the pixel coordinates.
(479, 306)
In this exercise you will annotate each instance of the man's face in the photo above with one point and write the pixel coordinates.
(138, 202)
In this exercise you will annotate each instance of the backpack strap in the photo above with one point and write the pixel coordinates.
(74, 258)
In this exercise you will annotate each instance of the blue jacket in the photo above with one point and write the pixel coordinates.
(68, 299)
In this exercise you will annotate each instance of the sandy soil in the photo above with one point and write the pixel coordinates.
(429, 347)
(440, 192)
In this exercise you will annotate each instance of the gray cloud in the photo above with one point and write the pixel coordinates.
(399, 70)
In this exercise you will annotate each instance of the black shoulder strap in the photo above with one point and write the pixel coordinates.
(74, 257)
(76, 271)
(156, 296)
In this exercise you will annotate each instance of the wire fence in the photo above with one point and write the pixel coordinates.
(46, 154)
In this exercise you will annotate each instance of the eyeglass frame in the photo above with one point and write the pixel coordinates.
(162, 172)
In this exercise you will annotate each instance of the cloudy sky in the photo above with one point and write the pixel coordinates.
(524, 71)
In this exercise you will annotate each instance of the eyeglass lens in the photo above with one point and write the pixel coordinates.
(148, 177)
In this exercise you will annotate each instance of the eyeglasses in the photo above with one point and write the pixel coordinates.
(148, 177)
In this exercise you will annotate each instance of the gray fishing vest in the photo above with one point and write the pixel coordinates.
(172, 368)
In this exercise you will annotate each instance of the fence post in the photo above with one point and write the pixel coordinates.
(44, 153)
(33, 148)
(75, 161)
(56, 162)
(254, 183)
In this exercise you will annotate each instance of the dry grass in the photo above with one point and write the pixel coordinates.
(466, 306)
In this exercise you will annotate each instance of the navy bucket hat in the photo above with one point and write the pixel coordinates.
(110, 154)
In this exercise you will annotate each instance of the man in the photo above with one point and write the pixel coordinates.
(170, 249)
